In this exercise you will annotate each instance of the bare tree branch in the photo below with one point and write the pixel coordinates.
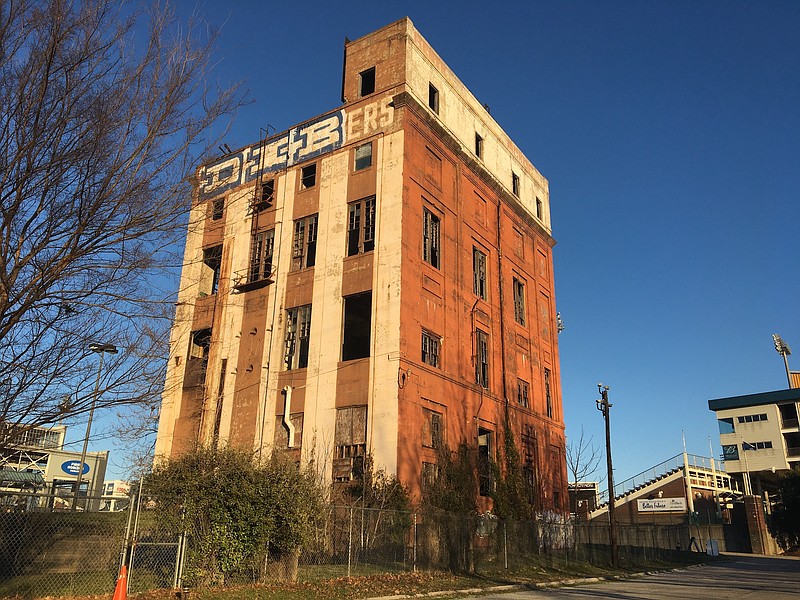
(583, 459)
(103, 118)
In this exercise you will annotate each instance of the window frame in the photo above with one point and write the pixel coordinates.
(262, 251)
(523, 393)
(431, 238)
(304, 242)
(297, 336)
(515, 184)
(482, 358)
(217, 209)
(478, 145)
(308, 172)
(548, 396)
(431, 349)
(480, 286)
(518, 291)
(368, 158)
(361, 226)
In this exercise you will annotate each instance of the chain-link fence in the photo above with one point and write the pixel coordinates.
(49, 551)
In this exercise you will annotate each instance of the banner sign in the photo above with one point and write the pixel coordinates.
(662, 505)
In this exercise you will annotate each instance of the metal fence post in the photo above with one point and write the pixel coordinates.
(414, 547)
(350, 543)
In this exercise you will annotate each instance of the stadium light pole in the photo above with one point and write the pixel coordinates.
(783, 349)
(604, 406)
(100, 349)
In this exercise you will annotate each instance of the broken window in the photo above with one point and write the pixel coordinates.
(430, 348)
(484, 461)
(298, 330)
(217, 209)
(350, 440)
(357, 326)
(363, 156)
(432, 433)
(482, 358)
(304, 244)
(265, 195)
(522, 393)
(361, 226)
(514, 184)
(199, 345)
(479, 273)
(308, 176)
(430, 238)
(366, 82)
(212, 264)
(478, 145)
(433, 98)
(519, 301)
(261, 255)
(547, 395)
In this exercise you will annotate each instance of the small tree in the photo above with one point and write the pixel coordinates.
(583, 458)
(235, 510)
(511, 491)
(785, 521)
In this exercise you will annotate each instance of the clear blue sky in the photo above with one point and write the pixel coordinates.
(670, 134)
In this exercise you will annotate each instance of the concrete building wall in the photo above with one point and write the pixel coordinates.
(420, 161)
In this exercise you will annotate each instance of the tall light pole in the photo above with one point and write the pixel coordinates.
(101, 349)
(604, 406)
(784, 350)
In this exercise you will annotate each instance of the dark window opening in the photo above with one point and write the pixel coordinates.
(482, 358)
(484, 462)
(361, 226)
(478, 146)
(304, 243)
(218, 209)
(479, 273)
(308, 176)
(197, 363)
(366, 82)
(515, 184)
(363, 156)
(298, 332)
(212, 260)
(261, 255)
(547, 395)
(430, 238)
(522, 393)
(357, 326)
(430, 348)
(788, 415)
(433, 98)
(519, 301)
(538, 209)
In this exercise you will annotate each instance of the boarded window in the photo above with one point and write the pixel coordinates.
(350, 441)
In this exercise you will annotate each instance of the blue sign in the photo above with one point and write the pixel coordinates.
(71, 467)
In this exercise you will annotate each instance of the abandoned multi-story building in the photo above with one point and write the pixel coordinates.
(375, 281)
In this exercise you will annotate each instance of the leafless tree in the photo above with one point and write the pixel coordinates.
(583, 459)
(105, 109)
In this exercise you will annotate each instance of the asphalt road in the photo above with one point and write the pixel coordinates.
(741, 577)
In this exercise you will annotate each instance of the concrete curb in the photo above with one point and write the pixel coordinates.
(521, 587)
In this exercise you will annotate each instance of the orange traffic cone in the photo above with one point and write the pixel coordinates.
(121, 591)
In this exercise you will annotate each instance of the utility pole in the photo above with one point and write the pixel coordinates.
(604, 406)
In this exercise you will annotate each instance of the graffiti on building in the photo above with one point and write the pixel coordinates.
(304, 142)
